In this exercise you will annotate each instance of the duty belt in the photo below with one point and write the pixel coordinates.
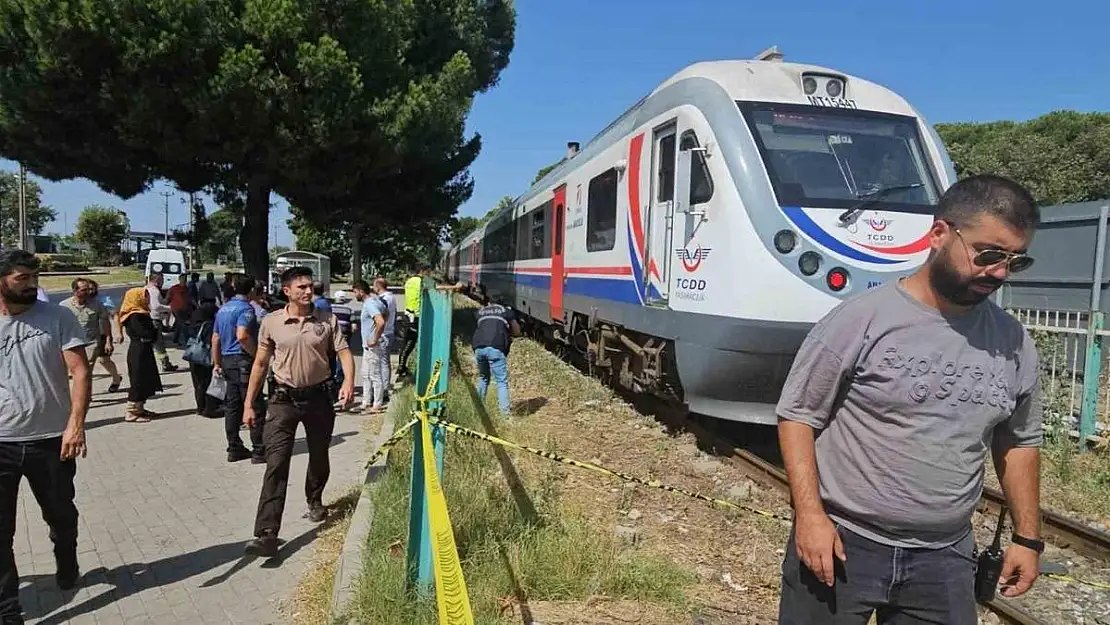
(286, 393)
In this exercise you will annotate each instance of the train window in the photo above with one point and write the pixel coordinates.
(666, 169)
(601, 219)
(701, 183)
(539, 226)
(559, 229)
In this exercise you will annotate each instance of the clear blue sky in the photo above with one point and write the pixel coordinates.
(580, 63)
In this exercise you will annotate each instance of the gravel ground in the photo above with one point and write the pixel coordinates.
(1053, 601)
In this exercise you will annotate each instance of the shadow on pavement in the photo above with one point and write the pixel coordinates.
(133, 578)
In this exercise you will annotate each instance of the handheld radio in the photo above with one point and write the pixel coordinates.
(989, 567)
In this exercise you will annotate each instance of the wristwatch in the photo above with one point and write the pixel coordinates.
(1035, 545)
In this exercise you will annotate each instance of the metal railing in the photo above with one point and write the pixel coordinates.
(1074, 384)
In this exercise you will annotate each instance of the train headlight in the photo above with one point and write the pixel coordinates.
(785, 241)
(834, 88)
(809, 263)
(809, 85)
(837, 279)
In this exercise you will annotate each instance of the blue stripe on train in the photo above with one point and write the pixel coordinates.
(612, 289)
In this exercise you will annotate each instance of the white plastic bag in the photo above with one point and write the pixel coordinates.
(218, 387)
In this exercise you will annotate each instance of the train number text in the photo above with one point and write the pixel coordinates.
(838, 103)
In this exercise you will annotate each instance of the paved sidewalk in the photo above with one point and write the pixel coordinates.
(165, 517)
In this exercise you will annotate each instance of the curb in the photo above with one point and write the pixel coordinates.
(350, 558)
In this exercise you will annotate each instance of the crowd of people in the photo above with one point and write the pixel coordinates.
(261, 362)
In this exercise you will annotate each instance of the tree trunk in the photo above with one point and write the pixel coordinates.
(253, 239)
(356, 252)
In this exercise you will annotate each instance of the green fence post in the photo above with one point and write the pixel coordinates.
(434, 345)
(1092, 371)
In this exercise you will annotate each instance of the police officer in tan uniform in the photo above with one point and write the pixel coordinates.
(300, 340)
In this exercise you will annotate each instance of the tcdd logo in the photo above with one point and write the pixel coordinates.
(877, 224)
(692, 260)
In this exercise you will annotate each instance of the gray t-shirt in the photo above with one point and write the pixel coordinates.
(907, 402)
(34, 380)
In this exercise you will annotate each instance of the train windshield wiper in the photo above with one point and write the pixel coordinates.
(868, 198)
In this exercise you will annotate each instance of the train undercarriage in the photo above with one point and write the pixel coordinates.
(620, 358)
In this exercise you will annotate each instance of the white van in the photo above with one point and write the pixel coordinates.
(170, 263)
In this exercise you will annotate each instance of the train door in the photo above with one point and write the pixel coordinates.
(474, 248)
(558, 274)
(660, 216)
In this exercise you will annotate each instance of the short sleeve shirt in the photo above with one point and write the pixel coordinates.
(90, 316)
(391, 314)
(34, 380)
(302, 347)
(237, 313)
(907, 403)
(372, 306)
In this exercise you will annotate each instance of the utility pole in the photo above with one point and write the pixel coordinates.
(166, 209)
(22, 208)
(192, 232)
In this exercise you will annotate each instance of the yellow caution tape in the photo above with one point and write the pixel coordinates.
(398, 434)
(1076, 580)
(452, 599)
(451, 427)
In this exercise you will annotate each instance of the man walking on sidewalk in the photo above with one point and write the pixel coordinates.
(234, 345)
(301, 341)
(92, 317)
(42, 427)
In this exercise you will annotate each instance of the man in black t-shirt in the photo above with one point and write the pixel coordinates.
(491, 342)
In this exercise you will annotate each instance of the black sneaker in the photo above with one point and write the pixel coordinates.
(264, 546)
(317, 513)
(238, 454)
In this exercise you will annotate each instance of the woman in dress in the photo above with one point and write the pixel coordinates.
(142, 368)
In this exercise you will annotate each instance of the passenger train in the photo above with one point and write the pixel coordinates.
(688, 248)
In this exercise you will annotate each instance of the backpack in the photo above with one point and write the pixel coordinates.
(197, 350)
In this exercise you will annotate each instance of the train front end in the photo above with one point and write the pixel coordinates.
(855, 182)
(836, 180)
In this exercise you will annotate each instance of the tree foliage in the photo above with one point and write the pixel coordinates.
(463, 226)
(38, 214)
(547, 170)
(1061, 157)
(323, 103)
(102, 228)
(224, 227)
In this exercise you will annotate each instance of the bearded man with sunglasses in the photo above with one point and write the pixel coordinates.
(886, 419)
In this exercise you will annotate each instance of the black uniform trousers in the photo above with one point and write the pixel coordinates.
(312, 407)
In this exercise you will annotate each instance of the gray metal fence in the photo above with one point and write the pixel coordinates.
(1062, 300)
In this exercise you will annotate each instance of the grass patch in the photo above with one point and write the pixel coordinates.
(311, 603)
(1077, 482)
(116, 275)
(516, 542)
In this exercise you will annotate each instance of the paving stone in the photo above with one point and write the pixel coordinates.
(164, 519)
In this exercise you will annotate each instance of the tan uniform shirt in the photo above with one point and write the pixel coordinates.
(301, 346)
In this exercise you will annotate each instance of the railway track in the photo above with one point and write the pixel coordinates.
(1061, 531)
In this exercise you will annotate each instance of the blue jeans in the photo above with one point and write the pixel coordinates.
(903, 585)
(491, 360)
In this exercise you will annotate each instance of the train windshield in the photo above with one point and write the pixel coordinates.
(834, 158)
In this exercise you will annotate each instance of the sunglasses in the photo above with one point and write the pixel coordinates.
(988, 258)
